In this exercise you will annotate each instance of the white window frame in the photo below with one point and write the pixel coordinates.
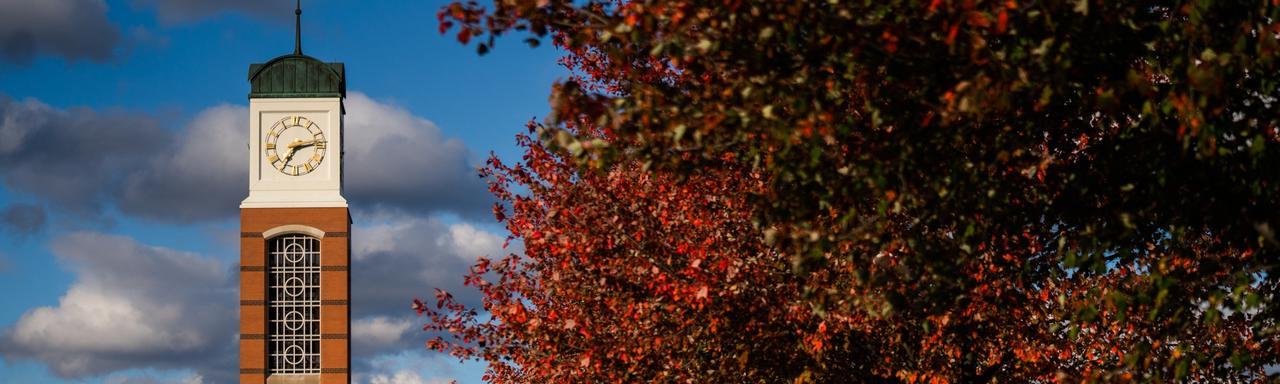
(293, 305)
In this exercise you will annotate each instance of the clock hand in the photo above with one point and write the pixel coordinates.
(298, 144)
(288, 156)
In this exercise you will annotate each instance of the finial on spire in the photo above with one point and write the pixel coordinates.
(297, 29)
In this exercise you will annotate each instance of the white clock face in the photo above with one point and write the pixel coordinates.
(295, 146)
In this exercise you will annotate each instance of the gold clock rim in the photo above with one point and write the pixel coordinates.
(317, 156)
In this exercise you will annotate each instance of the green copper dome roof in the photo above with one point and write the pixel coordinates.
(297, 75)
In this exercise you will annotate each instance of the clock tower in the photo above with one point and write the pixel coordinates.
(295, 228)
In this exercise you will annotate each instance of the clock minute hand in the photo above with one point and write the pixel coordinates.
(298, 144)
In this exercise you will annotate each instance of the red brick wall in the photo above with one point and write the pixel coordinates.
(335, 292)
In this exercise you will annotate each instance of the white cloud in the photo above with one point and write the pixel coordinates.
(401, 161)
(417, 366)
(204, 175)
(131, 306)
(405, 377)
(88, 319)
(400, 257)
(135, 306)
(83, 160)
(383, 236)
(471, 242)
(153, 379)
(463, 241)
(379, 330)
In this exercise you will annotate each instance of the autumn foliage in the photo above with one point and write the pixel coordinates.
(886, 191)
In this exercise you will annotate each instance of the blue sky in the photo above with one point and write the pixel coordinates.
(122, 126)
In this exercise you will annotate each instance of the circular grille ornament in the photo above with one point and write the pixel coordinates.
(294, 320)
(294, 287)
(293, 253)
(293, 355)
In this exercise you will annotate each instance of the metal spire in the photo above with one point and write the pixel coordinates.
(297, 29)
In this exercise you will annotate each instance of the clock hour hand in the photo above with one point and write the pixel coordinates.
(293, 148)
(288, 156)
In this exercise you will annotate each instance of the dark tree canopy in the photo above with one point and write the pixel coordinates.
(915, 191)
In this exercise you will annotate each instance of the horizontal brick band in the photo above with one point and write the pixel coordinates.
(253, 370)
(322, 302)
(260, 336)
(252, 268)
(335, 234)
(333, 268)
(333, 370)
(250, 234)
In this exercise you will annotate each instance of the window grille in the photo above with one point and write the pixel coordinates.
(294, 306)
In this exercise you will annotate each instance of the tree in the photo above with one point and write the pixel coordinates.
(929, 191)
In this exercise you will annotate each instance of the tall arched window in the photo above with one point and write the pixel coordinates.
(294, 304)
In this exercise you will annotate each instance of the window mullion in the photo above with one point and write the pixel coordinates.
(294, 304)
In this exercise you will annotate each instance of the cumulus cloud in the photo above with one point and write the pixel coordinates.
(152, 379)
(83, 160)
(379, 334)
(137, 306)
(22, 219)
(415, 367)
(177, 11)
(203, 175)
(73, 29)
(380, 329)
(71, 157)
(397, 258)
(131, 306)
(404, 377)
(123, 311)
(404, 256)
(134, 306)
(400, 160)
(394, 161)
